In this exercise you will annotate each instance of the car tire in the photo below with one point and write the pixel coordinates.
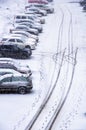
(24, 56)
(22, 90)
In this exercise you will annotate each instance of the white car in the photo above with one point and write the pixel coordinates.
(27, 41)
(25, 33)
(47, 8)
(10, 64)
(9, 71)
(26, 28)
(26, 16)
(23, 68)
(36, 16)
(18, 40)
(38, 11)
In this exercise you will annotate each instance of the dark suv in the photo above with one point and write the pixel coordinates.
(7, 50)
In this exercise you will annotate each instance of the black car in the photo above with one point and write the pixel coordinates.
(14, 51)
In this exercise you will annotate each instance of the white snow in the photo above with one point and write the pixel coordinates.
(17, 110)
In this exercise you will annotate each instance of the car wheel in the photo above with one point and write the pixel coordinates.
(24, 56)
(22, 90)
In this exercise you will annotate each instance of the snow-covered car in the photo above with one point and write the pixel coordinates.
(25, 16)
(30, 30)
(27, 11)
(23, 68)
(36, 16)
(15, 82)
(38, 1)
(14, 40)
(29, 35)
(48, 8)
(27, 20)
(15, 66)
(33, 26)
(9, 71)
(24, 34)
(38, 11)
(27, 41)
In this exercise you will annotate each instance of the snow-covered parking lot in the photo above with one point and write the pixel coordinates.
(17, 110)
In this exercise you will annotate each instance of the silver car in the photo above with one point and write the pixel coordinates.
(15, 82)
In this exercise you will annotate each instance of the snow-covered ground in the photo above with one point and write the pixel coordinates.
(16, 110)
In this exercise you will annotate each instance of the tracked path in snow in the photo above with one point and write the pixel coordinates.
(70, 57)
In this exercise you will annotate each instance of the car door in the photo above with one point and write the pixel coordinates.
(15, 81)
(6, 83)
(11, 51)
(4, 50)
(14, 50)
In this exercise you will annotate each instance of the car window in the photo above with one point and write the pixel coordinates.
(18, 40)
(25, 34)
(23, 17)
(18, 17)
(2, 73)
(11, 40)
(18, 78)
(8, 79)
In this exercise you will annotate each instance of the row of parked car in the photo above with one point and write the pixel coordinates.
(19, 43)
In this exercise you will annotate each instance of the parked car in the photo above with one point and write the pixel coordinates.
(29, 35)
(36, 16)
(38, 1)
(14, 51)
(38, 11)
(32, 13)
(23, 68)
(27, 20)
(23, 16)
(27, 16)
(9, 71)
(15, 82)
(33, 26)
(11, 40)
(26, 28)
(47, 8)
(24, 40)
(15, 66)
